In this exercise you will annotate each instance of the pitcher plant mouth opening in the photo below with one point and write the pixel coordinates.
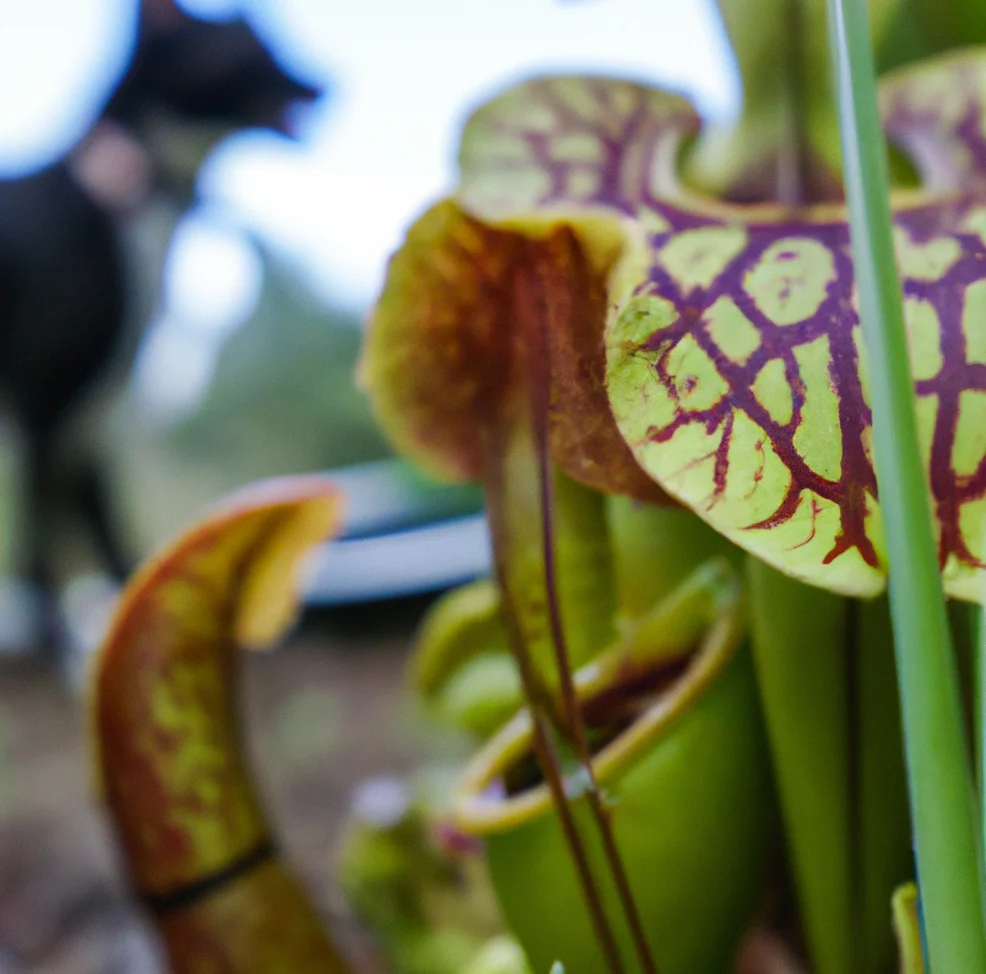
(628, 705)
(606, 715)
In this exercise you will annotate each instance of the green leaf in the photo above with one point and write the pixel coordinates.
(463, 624)
(825, 670)
(581, 580)
(883, 826)
(784, 145)
(799, 644)
(948, 855)
(655, 547)
(907, 925)
(917, 29)
(462, 666)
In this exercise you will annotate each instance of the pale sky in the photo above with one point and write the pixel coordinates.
(404, 75)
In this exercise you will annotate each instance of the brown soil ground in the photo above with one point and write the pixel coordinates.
(324, 711)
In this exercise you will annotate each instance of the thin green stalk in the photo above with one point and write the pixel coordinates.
(978, 714)
(576, 725)
(806, 709)
(551, 769)
(941, 791)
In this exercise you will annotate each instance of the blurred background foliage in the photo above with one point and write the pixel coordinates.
(283, 395)
(282, 399)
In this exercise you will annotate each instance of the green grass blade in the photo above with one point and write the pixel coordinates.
(941, 791)
(977, 625)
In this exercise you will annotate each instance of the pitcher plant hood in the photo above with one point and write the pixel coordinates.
(714, 347)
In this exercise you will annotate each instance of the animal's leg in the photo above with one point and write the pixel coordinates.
(37, 521)
(92, 499)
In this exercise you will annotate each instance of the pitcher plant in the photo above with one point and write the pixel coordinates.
(657, 346)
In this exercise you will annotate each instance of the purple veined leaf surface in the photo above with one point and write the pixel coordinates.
(737, 370)
(934, 111)
(735, 367)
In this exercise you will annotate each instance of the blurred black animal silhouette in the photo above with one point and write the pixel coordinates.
(68, 318)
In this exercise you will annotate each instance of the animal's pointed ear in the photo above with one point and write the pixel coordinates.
(160, 15)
